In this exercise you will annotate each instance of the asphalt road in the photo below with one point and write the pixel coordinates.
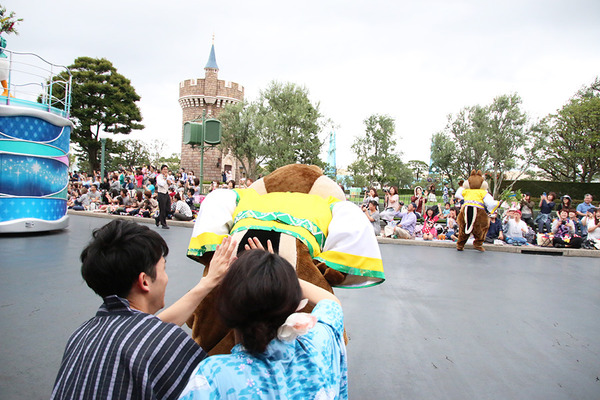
(444, 325)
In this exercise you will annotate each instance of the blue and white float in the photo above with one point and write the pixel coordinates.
(34, 146)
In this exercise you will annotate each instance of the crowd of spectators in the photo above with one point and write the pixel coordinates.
(553, 221)
(133, 192)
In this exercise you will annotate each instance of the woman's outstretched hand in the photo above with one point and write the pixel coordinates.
(254, 243)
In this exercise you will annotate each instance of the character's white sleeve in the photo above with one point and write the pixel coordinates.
(458, 193)
(351, 247)
(214, 221)
(491, 204)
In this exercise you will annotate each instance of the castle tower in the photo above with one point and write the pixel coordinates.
(212, 95)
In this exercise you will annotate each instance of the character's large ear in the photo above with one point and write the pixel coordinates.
(473, 172)
(479, 173)
(325, 187)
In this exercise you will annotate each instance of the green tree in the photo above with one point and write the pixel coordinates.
(102, 100)
(444, 160)
(128, 153)
(290, 126)
(568, 142)
(376, 158)
(242, 136)
(419, 169)
(507, 137)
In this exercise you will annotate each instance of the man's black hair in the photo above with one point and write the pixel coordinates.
(117, 254)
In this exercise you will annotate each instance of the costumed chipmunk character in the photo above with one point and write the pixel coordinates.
(473, 218)
(306, 217)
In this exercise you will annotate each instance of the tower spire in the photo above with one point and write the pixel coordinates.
(212, 59)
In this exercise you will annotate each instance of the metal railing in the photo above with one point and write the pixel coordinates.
(32, 78)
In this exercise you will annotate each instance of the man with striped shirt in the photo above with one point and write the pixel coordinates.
(125, 352)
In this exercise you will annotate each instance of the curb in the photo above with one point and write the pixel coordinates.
(535, 250)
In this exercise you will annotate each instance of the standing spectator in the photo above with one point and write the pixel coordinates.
(445, 193)
(372, 213)
(419, 201)
(526, 206)
(515, 228)
(564, 232)
(405, 229)
(431, 197)
(182, 209)
(546, 206)
(139, 178)
(164, 201)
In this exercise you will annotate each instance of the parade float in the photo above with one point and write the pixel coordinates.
(34, 142)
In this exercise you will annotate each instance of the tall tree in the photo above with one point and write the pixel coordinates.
(242, 136)
(376, 157)
(102, 100)
(569, 141)
(507, 136)
(290, 125)
(419, 169)
(444, 159)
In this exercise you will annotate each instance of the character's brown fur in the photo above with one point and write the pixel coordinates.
(208, 330)
(482, 221)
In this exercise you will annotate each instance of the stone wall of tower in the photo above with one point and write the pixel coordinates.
(212, 95)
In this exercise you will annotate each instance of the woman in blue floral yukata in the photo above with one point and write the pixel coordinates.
(280, 353)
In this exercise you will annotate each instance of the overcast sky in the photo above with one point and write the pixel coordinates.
(415, 61)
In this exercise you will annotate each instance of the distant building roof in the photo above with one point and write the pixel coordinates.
(212, 60)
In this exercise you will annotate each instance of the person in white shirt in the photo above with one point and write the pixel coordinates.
(164, 200)
(515, 228)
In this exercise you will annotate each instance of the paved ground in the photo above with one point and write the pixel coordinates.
(445, 325)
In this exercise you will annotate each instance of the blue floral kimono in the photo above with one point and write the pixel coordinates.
(313, 366)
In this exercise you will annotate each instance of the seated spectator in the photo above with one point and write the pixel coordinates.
(564, 232)
(515, 228)
(565, 203)
(182, 210)
(429, 230)
(189, 199)
(495, 230)
(151, 186)
(372, 213)
(114, 183)
(231, 184)
(579, 228)
(280, 354)
(105, 185)
(405, 229)
(95, 197)
(125, 352)
(592, 222)
(451, 230)
(546, 206)
(446, 209)
(371, 194)
(583, 208)
(392, 204)
(419, 200)
(526, 206)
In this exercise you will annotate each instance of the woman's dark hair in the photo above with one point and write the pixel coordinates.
(553, 195)
(152, 181)
(117, 254)
(395, 189)
(177, 196)
(232, 183)
(257, 295)
(139, 195)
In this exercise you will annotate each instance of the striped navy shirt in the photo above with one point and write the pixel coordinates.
(123, 353)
